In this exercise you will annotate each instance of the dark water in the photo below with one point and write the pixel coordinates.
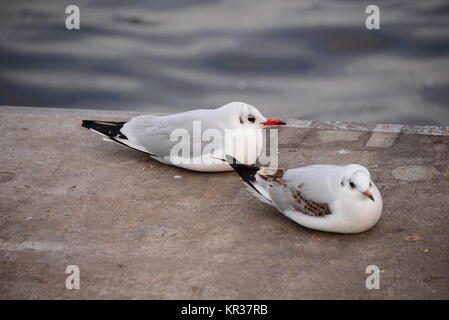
(312, 59)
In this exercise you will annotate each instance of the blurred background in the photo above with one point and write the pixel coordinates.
(310, 59)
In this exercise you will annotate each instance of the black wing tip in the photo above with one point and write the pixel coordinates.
(231, 160)
(87, 123)
(246, 172)
(234, 162)
(101, 122)
(112, 130)
(108, 128)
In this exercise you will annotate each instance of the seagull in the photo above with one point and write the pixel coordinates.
(203, 134)
(340, 199)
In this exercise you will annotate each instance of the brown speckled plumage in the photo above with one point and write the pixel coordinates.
(300, 204)
(309, 207)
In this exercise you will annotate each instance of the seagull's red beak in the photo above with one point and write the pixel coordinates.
(273, 122)
(368, 194)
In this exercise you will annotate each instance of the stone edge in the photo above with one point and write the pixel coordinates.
(292, 123)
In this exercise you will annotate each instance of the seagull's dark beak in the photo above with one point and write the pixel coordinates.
(368, 194)
(273, 122)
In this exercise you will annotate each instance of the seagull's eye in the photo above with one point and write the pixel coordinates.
(251, 118)
(241, 121)
(352, 184)
(370, 184)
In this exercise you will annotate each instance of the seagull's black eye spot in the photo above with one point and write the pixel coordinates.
(342, 183)
(370, 184)
(352, 184)
(241, 121)
(251, 118)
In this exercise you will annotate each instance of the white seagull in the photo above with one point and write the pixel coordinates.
(331, 198)
(154, 135)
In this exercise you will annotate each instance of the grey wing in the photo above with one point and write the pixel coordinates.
(148, 133)
(306, 190)
(158, 135)
(317, 181)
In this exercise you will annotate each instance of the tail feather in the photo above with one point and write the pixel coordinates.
(111, 130)
(248, 175)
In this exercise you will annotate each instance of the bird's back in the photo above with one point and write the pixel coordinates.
(159, 135)
(317, 181)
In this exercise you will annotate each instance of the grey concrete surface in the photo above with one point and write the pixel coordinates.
(136, 231)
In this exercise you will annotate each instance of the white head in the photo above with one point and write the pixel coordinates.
(244, 115)
(360, 200)
(356, 183)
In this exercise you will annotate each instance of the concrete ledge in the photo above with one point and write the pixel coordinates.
(292, 123)
(136, 231)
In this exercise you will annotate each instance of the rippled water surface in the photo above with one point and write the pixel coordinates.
(311, 59)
